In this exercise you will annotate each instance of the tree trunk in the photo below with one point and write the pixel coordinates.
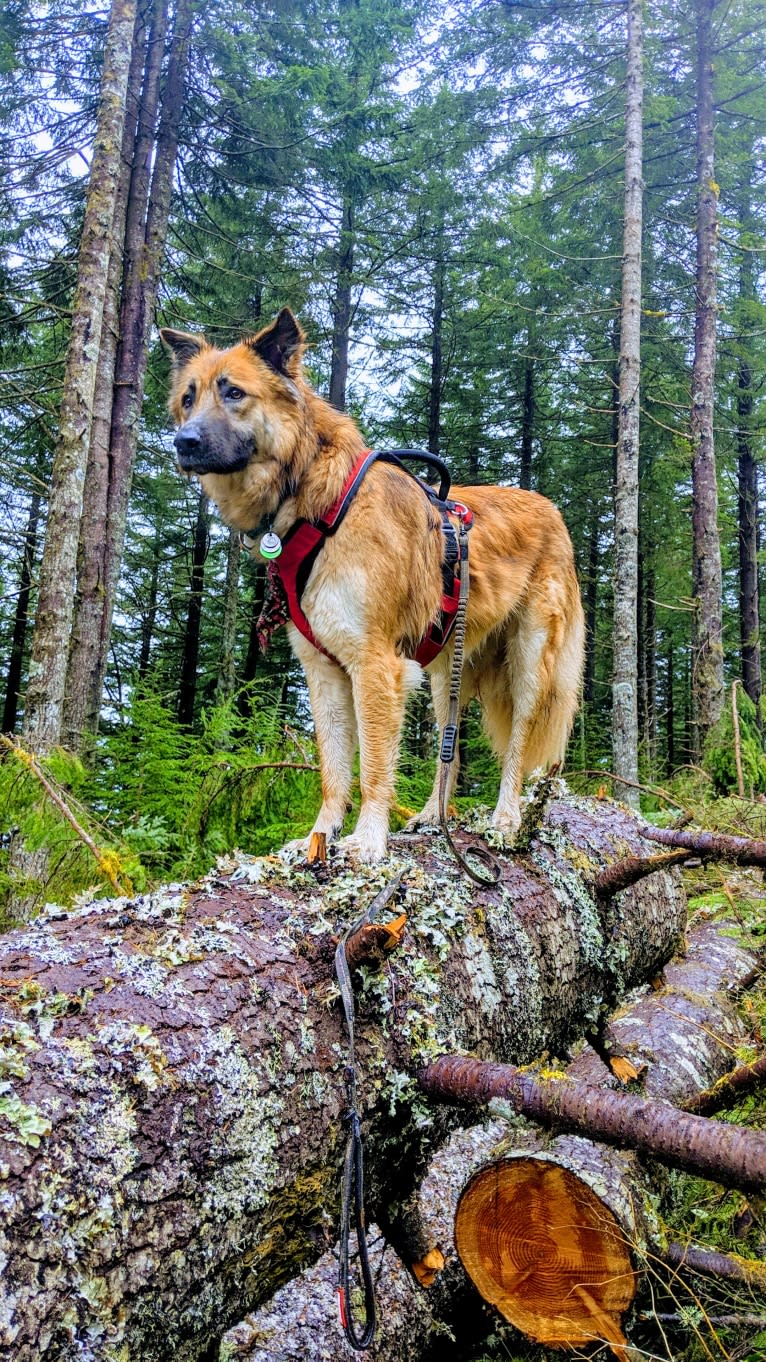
(435, 387)
(625, 679)
(250, 668)
(591, 605)
(187, 687)
(21, 614)
(47, 671)
(150, 614)
(144, 257)
(747, 498)
(707, 677)
(227, 661)
(341, 310)
(670, 715)
(527, 415)
(82, 699)
(173, 1132)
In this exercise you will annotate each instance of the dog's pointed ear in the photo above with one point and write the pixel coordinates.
(182, 346)
(281, 344)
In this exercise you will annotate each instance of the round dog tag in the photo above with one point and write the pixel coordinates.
(271, 545)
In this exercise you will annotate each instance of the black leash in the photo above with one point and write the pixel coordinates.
(450, 735)
(352, 1199)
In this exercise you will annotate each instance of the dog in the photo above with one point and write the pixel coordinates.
(269, 450)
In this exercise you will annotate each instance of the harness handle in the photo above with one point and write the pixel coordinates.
(421, 456)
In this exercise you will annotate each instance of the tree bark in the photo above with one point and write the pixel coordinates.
(341, 309)
(227, 662)
(747, 495)
(81, 703)
(21, 615)
(47, 671)
(435, 386)
(707, 678)
(187, 686)
(528, 408)
(625, 677)
(173, 1132)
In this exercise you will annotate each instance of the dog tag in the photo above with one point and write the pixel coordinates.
(271, 545)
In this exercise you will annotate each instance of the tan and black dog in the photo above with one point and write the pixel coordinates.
(263, 444)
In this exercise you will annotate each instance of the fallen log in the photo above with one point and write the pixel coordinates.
(567, 1172)
(556, 1233)
(172, 1068)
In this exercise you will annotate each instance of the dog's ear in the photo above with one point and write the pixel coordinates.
(181, 345)
(281, 344)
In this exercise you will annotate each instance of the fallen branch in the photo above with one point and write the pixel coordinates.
(730, 1088)
(727, 1154)
(714, 1264)
(107, 861)
(724, 847)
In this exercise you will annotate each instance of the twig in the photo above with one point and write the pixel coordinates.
(655, 790)
(108, 862)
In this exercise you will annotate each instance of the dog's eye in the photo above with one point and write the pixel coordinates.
(234, 394)
(187, 401)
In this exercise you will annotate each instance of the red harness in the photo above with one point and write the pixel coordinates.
(303, 543)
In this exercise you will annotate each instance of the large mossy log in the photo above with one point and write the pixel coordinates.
(172, 1068)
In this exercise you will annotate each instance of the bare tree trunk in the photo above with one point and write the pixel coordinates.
(341, 310)
(47, 672)
(187, 687)
(747, 499)
(145, 234)
(527, 415)
(21, 615)
(227, 669)
(591, 605)
(707, 677)
(625, 679)
(150, 614)
(670, 716)
(435, 387)
(83, 698)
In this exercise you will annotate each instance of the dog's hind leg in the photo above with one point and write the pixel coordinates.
(514, 705)
(335, 725)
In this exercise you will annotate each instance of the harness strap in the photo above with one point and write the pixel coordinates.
(303, 543)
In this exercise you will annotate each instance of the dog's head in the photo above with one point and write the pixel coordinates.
(238, 406)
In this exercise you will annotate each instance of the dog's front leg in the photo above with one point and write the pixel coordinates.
(335, 726)
(378, 684)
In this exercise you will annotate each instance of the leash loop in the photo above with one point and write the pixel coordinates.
(352, 1192)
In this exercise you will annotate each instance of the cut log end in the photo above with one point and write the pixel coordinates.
(542, 1248)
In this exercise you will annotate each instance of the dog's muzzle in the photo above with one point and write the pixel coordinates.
(200, 450)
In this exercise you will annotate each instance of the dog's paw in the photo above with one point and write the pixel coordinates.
(503, 829)
(427, 818)
(365, 846)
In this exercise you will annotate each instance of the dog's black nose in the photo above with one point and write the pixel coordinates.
(188, 445)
